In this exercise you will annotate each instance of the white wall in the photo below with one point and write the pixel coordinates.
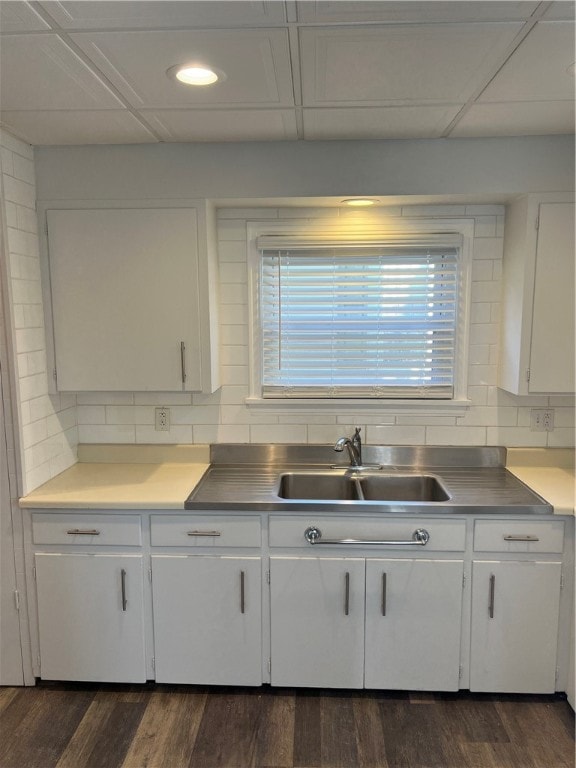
(489, 167)
(495, 418)
(47, 424)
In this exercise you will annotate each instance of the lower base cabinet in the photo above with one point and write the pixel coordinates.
(413, 624)
(373, 623)
(515, 610)
(90, 617)
(207, 619)
(317, 621)
(346, 618)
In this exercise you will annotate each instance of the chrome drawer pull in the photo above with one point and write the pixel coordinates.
(183, 361)
(383, 594)
(242, 593)
(204, 533)
(511, 537)
(78, 532)
(491, 591)
(420, 538)
(123, 585)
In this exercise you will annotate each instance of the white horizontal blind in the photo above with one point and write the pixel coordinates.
(359, 320)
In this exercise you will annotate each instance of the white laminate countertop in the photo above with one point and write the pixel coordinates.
(162, 477)
(549, 472)
(151, 478)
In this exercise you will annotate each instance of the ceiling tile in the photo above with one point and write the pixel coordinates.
(256, 62)
(78, 127)
(399, 63)
(100, 14)
(378, 123)
(360, 11)
(537, 69)
(41, 72)
(223, 125)
(518, 119)
(20, 17)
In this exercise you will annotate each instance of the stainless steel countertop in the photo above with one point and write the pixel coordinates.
(473, 490)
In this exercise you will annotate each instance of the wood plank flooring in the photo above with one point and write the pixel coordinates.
(74, 725)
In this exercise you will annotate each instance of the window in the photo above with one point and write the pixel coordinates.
(360, 320)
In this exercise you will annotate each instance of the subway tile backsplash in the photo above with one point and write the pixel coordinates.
(48, 429)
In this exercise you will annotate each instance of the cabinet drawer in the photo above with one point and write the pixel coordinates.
(519, 536)
(445, 535)
(205, 531)
(93, 529)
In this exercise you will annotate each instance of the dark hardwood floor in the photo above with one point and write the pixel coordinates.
(160, 726)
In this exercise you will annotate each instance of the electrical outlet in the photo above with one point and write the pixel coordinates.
(162, 420)
(542, 419)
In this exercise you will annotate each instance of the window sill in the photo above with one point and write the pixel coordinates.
(368, 407)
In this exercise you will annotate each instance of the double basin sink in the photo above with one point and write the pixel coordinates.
(361, 486)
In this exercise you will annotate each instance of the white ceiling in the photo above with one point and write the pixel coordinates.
(95, 72)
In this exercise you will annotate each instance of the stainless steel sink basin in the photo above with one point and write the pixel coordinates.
(314, 486)
(403, 488)
(317, 486)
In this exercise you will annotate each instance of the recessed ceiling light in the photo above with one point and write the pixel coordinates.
(196, 74)
(359, 201)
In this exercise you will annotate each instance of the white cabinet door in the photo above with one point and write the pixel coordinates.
(317, 610)
(90, 617)
(552, 344)
(207, 619)
(125, 298)
(537, 324)
(515, 608)
(413, 622)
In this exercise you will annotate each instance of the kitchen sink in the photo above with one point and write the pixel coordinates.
(314, 486)
(317, 486)
(403, 488)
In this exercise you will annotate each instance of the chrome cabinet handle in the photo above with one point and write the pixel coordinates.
(491, 595)
(183, 361)
(346, 594)
(383, 594)
(527, 537)
(242, 593)
(78, 532)
(123, 585)
(420, 538)
(203, 533)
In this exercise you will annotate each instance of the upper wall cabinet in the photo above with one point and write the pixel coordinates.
(132, 298)
(537, 345)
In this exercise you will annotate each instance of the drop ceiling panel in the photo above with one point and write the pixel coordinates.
(20, 17)
(256, 62)
(78, 127)
(537, 69)
(41, 72)
(377, 123)
(223, 125)
(400, 63)
(519, 119)
(105, 14)
(350, 11)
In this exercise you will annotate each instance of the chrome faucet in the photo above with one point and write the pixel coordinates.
(354, 447)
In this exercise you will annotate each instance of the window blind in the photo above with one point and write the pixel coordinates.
(358, 320)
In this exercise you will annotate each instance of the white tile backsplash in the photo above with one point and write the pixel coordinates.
(47, 425)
